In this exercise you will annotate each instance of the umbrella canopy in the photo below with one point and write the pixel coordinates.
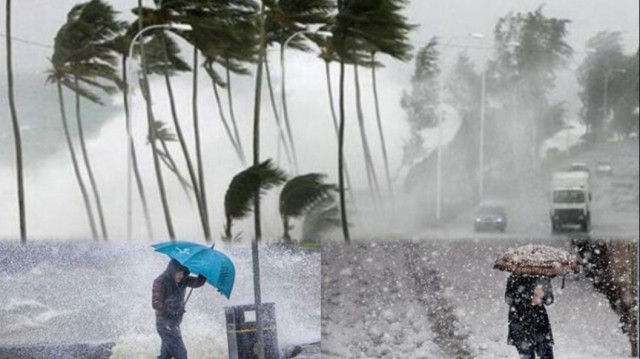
(534, 259)
(199, 259)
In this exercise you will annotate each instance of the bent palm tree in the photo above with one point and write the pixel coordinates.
(299, 195)
(84, 59)
(240, 195)
(16, 128)
(327, 54)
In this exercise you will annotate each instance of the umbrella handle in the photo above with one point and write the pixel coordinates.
(189, 295)
(560, 288)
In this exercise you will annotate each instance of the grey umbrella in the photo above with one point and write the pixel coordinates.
(536, 259)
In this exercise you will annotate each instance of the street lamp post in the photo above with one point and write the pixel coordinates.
(184, 27)
(283, 88)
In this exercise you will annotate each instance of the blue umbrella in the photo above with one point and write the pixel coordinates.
(204, 260)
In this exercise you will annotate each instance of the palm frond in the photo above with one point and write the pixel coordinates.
(244, 186)
(302, 192)
(322, 217)
(256, 179)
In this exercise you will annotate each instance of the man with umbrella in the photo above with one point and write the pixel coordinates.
(168, 301)
(528, 292)
(169, 288)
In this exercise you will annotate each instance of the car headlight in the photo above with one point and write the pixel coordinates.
(478, 220)
(499, 219)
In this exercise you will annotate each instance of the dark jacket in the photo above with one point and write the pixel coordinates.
(528, 323)
(167, 296)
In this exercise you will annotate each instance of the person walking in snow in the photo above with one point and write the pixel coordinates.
(529, 326)
(167, 300)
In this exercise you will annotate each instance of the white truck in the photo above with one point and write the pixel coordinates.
(570, 200)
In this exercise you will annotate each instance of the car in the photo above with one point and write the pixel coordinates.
(604, 168)
(490, 217)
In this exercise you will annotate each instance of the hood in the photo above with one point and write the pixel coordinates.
(175, 266)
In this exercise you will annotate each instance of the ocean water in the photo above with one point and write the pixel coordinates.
(54, 292)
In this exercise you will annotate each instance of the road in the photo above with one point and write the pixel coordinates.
(615, 205)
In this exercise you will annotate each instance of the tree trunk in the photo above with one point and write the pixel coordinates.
(223, 118)
(233, 117)
(343, 206)
(134, 160)
(196, 132)
(371, 174)
(168, 161)
(152, 137)
(256, 213)
(74, 160)
(285, 110)
(380, 131)
(290, 153)
(16, 128)
(87, 164)
(185, 150)
(337, 130)
(286, 236)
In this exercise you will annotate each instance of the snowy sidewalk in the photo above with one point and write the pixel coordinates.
(583, 324)
(400, 299)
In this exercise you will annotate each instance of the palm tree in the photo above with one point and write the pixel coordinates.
(16, 127)
(327, 54)
(299, 195)
(391, 38)
(173, 63)
(244, 186)
(338, 38)
(372, 178)
(84, 58)
(225, 34)
(179, 12)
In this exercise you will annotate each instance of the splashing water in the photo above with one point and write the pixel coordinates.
(87, 292)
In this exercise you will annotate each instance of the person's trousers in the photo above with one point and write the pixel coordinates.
(543, 349)
(172, 345)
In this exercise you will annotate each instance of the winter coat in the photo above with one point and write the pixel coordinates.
(167, 296)
(528, 323)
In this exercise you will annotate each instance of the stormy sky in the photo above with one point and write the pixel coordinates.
(451, 20)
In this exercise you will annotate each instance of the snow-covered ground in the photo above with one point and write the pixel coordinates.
(442, 299)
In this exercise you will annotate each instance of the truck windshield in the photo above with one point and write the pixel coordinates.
(568, 197)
